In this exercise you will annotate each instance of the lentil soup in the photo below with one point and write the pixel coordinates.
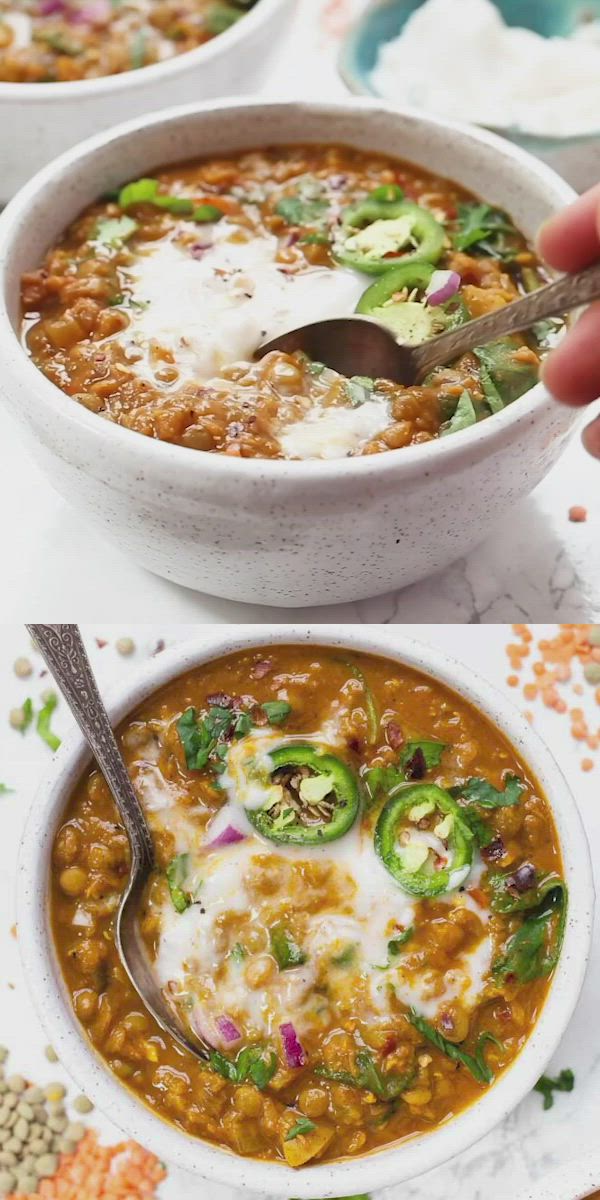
(59, 41)
(151, 308)
(358, 903)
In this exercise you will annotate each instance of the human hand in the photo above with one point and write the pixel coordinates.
(569, 242)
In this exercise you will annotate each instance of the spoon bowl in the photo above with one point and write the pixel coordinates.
(363, 346)
(63, 651)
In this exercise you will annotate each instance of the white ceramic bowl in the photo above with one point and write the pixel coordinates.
(573, 1181)
(391, 1165)
(277, 532)
(40, 120)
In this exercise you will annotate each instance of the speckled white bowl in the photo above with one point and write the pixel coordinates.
(376, 1170)
(573, 1181)
(40, 120)
(277, 532)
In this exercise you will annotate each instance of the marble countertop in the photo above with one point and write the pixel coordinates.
(520, 1151)
(537, 565)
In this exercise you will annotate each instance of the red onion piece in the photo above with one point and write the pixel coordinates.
(228, 1030)
(228, 837)
(442, 286)
(96, 12)
(293, 1049)
(48, 8)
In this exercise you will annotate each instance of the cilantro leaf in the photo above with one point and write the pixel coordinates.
(303, 1125)
(346, 957)
(432, 753)
(547, 1086)
(481, 792)
(238, 953)
(5, 790)
(395, 945)
(475, 1063)
(369, 1077)
(43, 722)
(253, 1062)
(484, 228)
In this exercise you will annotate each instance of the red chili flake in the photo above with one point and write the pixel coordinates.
(262, 668)
(389, 1045)
(220, 700)
(159, 647)
(395, 736)
(577, 513)
(101, 643)
(416, 767)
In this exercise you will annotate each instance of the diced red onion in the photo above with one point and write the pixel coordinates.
(442, 286)
(48, 8)
(198, 250)
(522, 880)
(293, 1049)
(228, 1029)
(96, 12)
(228, 837)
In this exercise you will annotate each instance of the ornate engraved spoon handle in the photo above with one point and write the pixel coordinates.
(64, 652)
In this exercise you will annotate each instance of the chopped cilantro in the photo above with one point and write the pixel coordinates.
(277, 711)
(43, 722)
(303, 1125)
(546, 1086)
(285, 949)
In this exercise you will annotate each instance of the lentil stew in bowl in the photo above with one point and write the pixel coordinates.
(150, 309)
(58, 41)
(358, 903)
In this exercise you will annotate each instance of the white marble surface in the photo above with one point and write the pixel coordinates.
(536, 565)
(530, 1142)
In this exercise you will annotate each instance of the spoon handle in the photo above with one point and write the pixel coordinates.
(62, 648)
(553, 300)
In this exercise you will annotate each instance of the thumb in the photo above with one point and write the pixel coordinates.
(591, 438)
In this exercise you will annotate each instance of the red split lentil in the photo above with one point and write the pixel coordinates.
(95, 1172)
(572, 652)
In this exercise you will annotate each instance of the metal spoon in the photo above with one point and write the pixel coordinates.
(362, 346)
(63, 650)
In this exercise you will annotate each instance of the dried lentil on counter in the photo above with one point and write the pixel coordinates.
(568, 661)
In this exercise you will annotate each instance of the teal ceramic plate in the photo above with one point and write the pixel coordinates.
(384, 20)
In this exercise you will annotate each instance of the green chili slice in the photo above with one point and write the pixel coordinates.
(423, 840)
(378, 235)
(313, 797)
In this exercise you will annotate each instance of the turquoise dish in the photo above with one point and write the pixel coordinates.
(577, 159)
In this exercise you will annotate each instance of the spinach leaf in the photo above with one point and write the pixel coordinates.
(303, 1125)
(369, 1077)
(43, 722)
(464, 416)
(277, 711)
(285, 949)
(533, 951)
(486, 229)
(504, 378)
(547, 1086)
(177, 872)
(253, 1062)
(506, 900)
(475, 1063)
(479, 791)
